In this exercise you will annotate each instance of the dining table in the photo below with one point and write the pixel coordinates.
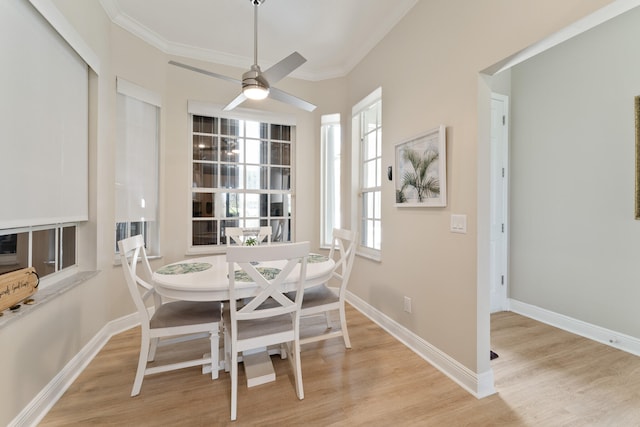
(206, 279)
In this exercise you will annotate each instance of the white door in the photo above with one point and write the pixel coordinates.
(499, 163)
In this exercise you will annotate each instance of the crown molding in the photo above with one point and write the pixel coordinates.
(118, 17)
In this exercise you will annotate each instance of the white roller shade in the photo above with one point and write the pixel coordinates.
(43, 122)
(136, 153)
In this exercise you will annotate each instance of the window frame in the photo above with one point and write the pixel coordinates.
(69, 36)
(268, 120)
(60, 272)
(149, 228)
(366, 249)
(331, 178)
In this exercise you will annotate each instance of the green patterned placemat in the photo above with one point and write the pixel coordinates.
(269, 273)
(315, 258)
(185, 267)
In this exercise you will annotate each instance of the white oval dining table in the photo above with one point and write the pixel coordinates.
(206, 279)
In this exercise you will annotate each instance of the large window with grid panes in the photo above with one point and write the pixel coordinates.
(241, 177)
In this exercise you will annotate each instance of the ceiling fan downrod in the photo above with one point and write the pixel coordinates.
(254, 85)
(255, 3)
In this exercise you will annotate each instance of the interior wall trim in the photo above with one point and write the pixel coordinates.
(593, 332)
(35, 411)
(478, 384)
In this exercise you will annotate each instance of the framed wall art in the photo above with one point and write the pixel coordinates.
(421, 172)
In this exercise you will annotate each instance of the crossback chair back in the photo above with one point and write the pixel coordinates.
(239, 235)
(268, 317)
(172, 322)
(132, 256)
(322, 300)
(343, 251)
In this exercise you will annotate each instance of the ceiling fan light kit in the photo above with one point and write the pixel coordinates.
(255, 83)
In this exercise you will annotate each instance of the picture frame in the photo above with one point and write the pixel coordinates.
(421, 170)
(637, 110)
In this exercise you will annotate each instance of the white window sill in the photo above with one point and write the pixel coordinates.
(46, 295)
(373, 256)
(117, 262)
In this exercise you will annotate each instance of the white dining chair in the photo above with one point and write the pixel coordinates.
(171, 322)
(322, 299)
(268, 317)
(239, 235)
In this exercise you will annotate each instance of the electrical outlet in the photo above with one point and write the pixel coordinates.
(407, 304)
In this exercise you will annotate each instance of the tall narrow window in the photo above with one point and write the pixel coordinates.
(241, 177)
(367, 134)
(137, 144)
(331, 182)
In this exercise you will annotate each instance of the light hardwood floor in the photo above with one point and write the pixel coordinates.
(544, 377)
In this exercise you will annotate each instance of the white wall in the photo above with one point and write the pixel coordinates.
(428, 68)
(38, 345)
(575, 246)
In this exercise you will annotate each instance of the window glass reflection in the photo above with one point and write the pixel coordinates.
(44, 251)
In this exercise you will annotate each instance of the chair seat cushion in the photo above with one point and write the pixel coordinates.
(257, 328)
(260, 327)
(316, 295)
(183, 313)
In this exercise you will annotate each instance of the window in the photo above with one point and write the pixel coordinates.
(367, 140)
(330, 178)
(43, 123)
(241, 178)
(137, 145)
(44, 140)
(49, 249)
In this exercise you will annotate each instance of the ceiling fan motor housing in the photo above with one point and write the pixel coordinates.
(254, 78)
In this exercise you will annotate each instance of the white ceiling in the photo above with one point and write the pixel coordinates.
(333, 35)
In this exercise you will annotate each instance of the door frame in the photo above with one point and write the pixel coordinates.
(500, 160)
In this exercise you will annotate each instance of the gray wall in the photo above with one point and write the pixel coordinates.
(575, 246)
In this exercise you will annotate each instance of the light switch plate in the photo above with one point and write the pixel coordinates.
(458, 223)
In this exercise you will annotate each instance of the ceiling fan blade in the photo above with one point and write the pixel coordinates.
(236, 101)
(283, 68)
(208, 73)
(282, 96)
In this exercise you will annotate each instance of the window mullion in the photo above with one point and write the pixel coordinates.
(246, 177)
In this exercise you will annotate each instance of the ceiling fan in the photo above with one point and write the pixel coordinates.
(256, 84)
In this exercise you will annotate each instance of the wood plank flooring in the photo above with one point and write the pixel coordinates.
(544, 377)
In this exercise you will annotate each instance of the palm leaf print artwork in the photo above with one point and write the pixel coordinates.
(424, 183)
(420, 166)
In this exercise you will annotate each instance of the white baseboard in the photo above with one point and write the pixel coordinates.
(596, 333)
(33, 413)
(479, 385)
